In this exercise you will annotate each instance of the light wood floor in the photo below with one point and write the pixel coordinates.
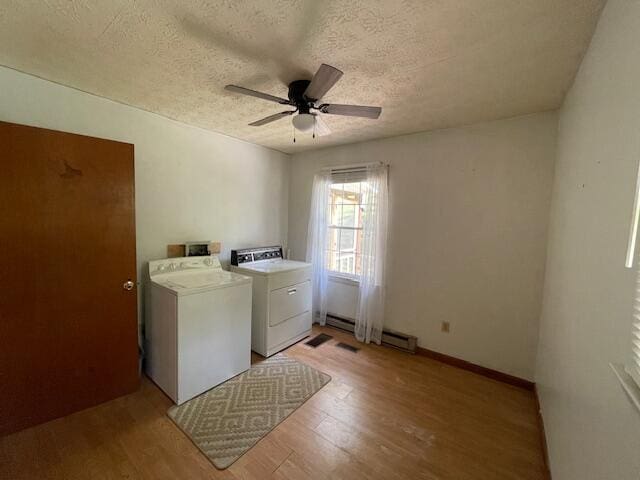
(384, 415)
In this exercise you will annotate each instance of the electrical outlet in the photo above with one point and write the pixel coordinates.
(445, 327)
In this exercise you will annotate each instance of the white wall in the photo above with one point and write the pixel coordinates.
(468, 227)
(592, 430)
(191, 184)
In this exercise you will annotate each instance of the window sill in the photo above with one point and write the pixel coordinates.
(628, 384)
(338, 278)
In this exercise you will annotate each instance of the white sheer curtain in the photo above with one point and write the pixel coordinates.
(370, 311)
(317, 237)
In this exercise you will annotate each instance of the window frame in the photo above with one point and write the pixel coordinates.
(350, 277)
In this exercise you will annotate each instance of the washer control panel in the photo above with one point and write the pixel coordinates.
(180, 264)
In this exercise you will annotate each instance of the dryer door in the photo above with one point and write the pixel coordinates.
(288, 302)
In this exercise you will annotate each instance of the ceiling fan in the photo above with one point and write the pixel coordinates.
(305, 95)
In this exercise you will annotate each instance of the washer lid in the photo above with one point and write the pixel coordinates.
(201, 282)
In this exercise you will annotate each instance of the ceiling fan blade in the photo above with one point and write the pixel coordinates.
(325, 78)
(351, 110)
(272, 118)
(321, 128)
(253, 93)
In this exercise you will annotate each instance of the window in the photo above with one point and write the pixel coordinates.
(629, 375)
(347, 237)
(345, 226)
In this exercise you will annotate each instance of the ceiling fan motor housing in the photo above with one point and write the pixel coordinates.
(296, 95)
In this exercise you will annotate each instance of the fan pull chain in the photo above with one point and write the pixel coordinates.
(314, 127)
(294, 134)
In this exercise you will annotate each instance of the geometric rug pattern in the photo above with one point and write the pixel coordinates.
(229, 419)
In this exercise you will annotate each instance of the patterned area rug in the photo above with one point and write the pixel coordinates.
(229, 419)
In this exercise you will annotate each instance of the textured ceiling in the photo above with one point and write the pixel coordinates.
(428, 63)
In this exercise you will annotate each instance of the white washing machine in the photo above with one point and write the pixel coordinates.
(281, 297)
(198, 325)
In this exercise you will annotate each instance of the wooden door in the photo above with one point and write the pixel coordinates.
(68, 327)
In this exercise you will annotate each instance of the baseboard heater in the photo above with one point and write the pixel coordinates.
(401, 341)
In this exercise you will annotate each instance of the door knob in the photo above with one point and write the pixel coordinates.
(128, 285)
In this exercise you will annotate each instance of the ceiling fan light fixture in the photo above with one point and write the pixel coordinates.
(304, 122)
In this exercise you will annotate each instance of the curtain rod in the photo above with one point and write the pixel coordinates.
(352, 168)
